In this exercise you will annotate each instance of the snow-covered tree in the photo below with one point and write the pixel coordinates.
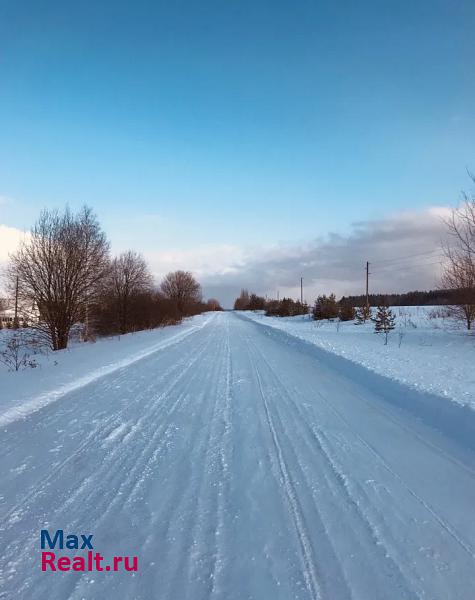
(363, 314)
(384, 322)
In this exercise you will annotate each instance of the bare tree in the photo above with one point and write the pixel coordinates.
(213, 304)
(60, 267)
(128, 277)
(459, 270)
(182, 288)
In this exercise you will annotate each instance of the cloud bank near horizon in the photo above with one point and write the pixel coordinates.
(404, 252)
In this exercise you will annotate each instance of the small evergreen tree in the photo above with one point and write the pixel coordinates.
(300, 308)
(384, 322)
(363, 314)
(326, 307)
(256, 302)
(242, 303)
(346, 312)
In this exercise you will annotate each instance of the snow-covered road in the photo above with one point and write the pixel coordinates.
(241, 463)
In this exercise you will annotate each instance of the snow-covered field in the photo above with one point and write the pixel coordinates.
(427, 350)
(237, 462)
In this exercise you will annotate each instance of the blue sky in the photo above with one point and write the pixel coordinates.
(234, 123)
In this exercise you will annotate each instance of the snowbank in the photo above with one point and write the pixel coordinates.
(60, 372)
(427, 350)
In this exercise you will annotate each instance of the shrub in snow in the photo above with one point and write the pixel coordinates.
(441, 312)
(286, 308)
(400, 335)
(18, 350)
(384, 322)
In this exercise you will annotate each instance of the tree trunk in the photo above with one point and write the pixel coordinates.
(62, 341)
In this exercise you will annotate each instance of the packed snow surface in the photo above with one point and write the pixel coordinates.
(67, 370)
(427, 350)
(243, 463)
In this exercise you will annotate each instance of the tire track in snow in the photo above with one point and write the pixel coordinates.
(322, 440)
(102, 502)
(137, 463)
(37, 403)
(141, 469)
(309, 571)
(209, 503)
(338, 475)
(106, 427)
(224, 461)
(200, 501)
(387, 415)
(39, 487)
(466, 546)
(204, 502)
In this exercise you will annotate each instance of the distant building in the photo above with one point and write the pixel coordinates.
(7, 316)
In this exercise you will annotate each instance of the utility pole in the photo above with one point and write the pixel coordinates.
(15, 320)
(367, 284)
(277, 295)
(301, 290)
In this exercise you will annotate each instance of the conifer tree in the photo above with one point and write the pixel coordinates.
(326, 307)
(363, 314)
(384, 322)
(346, 312)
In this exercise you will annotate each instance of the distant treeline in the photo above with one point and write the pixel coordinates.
(416, 298)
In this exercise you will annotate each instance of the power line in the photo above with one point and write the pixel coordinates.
(367, 284)
(406, 267)
(408, 256)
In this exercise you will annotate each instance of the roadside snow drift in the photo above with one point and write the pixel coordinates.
(427, 350)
